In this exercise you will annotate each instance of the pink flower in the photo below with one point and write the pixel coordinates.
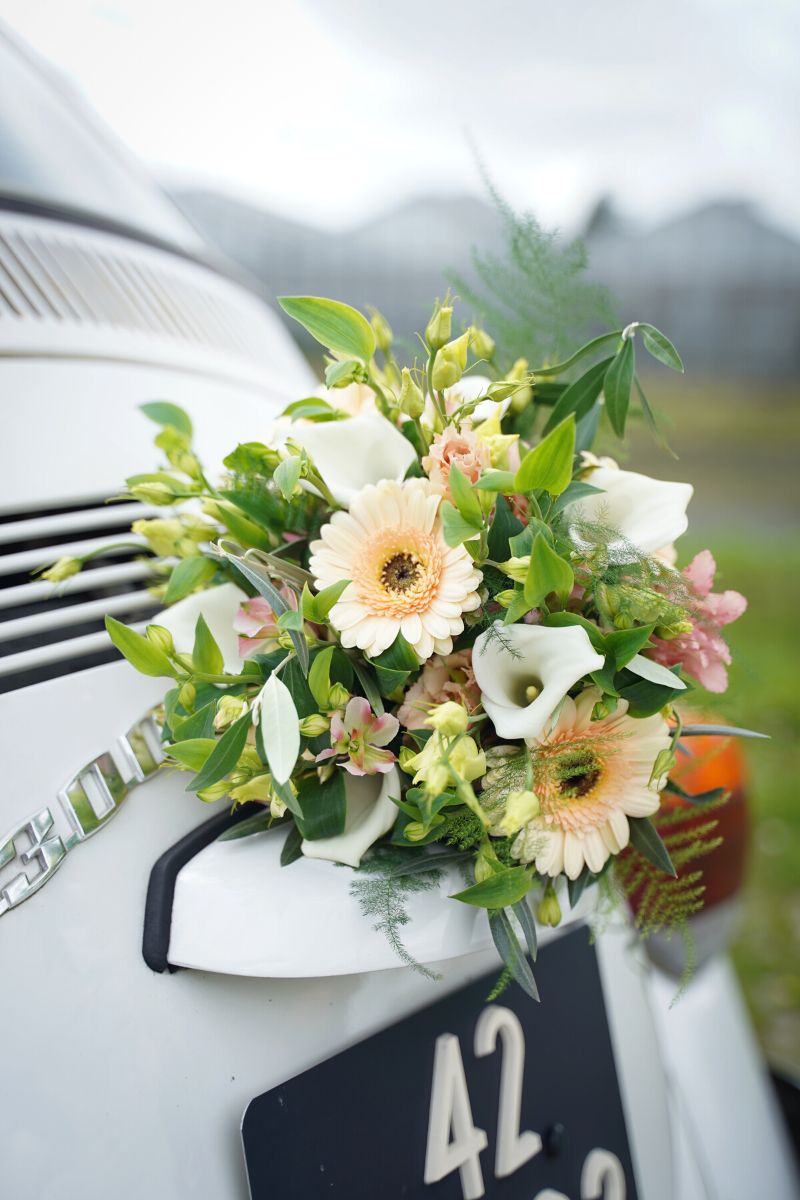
(359, 737)
(442, 679)
(459, 447)
(703, 652)
(257, 625)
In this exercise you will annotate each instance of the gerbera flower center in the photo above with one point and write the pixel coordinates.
(398, 571)
(579, 773)
(401, 572)
(576, 781)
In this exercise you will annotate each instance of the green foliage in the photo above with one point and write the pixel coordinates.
(548, 466)
(534, 297)
(665, 903)
(382, 886)
(338, 327)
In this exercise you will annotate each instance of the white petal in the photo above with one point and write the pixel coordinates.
(218, 606)
(573, 855)
(595, 851)
(353, 453)
(648, 513)
(509, 658)
(370, 814)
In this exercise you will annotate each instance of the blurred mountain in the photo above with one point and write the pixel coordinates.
(719, 280)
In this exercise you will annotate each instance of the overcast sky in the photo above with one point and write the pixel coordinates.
(329, 110)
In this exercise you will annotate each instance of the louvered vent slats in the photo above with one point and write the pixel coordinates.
(47, 630)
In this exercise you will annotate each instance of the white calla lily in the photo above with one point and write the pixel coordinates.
(525, 671)
(218, 606)
(370, 814)
(355, 452)
(647, 513)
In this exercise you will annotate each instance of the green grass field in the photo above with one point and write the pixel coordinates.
(740, 447)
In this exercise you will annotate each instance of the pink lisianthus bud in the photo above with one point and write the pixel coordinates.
(458, 447)
(442, 679)
(703, 652)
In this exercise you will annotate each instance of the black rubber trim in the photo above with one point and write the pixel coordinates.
(161, 887)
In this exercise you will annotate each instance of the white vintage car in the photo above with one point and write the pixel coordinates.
(124, 1077)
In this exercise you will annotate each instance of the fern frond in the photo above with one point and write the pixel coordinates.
(382, 895)
(534, 297)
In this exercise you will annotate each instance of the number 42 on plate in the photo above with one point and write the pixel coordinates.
(602, 1177)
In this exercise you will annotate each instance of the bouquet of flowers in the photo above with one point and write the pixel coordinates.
(421, 622)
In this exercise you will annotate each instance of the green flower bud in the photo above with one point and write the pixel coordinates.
(314, 725)
(152, 493)
(548, 910)
(506, 598)
(162, 638)
(450, 363)
(229, 709)
(412, 400)
(338, 696)
(449, 718)
(187, 696)
(439, 327)
(483, 346)
(604, 708)
(61, 570)
(405, 759)
(382, 330)
(414, 831)
(162, 535)
(215, 791)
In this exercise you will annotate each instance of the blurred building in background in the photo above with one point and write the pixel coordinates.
(721, 281)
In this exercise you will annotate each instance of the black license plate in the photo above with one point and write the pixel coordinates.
(461, 1100)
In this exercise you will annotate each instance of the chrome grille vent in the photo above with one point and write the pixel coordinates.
(73, 280)
(48, 630)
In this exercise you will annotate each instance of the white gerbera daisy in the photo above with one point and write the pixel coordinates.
(589, 777)
(404, 578)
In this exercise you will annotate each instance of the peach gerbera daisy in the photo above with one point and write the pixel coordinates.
(404, 578)
(590, 776)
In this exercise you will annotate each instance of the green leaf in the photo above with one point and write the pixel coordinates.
(325, 600)
(646, 839)
(206, 655)
(496, 481)
(335, 325)
(292, 847)
(291, 619)
(339, 374)
(547, 573)
(194, 752)
(399, 657)
(164, 413)
(504, 526)
(652, 671)
(455, 529)
(367, 681)
(659, 346)
(319, 676)
(645, 698)
(324, 806)
(279, 728)
(188, 575)
(258, 577)
(577, 490)
(721, 731)
(199, 724)
(559, 620)
(650, 419)
(576, 887)
(259, 822)
(140, 653)
(517, 608)
(623, 644)
(579, 397)
(464, 498)
(522, 911)
(312, 408)
(594, 344)
(509, 950)
(617, 386)
(287, 473)
(504, 887)
(548, 466)
(224, 756)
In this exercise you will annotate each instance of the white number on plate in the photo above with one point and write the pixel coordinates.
(602, 1177)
